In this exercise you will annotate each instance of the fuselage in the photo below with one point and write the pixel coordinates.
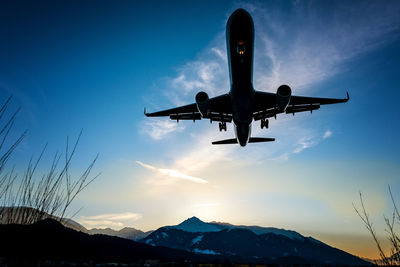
(240, 48)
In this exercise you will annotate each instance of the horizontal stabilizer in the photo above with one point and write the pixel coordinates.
(260, 139)
(226, 141)
(252, 140)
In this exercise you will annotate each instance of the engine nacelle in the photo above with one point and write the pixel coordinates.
(203, 104)
(283, 95)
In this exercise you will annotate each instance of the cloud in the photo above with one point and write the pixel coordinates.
(327, 134)
(304, 46)
(178, 174)
(111, 220)
(304, 144)
(160, 128)
(308, 142)
(202, 154)
(201, 75)
(220, 53)
(147, 166)
(172, 173)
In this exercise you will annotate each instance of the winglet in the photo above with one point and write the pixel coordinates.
(348, 97)
(145, 113)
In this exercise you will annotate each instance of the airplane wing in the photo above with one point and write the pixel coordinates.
(304, 100)
(220, 110)
(265, 104)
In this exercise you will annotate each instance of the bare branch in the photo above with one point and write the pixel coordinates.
(368, 224)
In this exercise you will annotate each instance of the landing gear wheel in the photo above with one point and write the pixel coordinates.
(264, 123)
(222, 126)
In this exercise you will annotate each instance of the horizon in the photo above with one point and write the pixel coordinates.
(187, 219)
(75, 65)
(190, 219)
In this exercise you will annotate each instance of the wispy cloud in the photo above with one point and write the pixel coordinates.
(327, 134)
(160, 128)
(111, 220)
(147, 166)
(311, 46)
(202, 154)
(208, 75)
(307, 142)
(172, 173)
(304, 144)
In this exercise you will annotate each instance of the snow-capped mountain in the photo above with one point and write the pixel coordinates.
(255, 243)
(195, 225)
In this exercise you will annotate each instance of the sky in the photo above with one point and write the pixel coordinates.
(73, 65)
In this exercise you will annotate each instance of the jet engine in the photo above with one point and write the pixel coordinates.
(203, 104)
(283, 95)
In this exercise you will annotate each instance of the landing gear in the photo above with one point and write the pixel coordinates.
(222, 126)
(264, 123)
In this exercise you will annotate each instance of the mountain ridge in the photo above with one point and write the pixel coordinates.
(126, 232)
(48, 240)
(194, 224)
(23, 215)
(194, 235)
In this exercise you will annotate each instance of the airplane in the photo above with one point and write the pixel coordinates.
(242, 104)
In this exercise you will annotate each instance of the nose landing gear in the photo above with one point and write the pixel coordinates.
(264, 123)
(222, 126)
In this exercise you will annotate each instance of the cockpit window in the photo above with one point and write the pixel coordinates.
(241, 47)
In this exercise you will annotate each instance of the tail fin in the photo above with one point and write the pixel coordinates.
(252, 140)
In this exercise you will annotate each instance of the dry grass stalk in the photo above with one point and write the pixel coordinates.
(28, 199)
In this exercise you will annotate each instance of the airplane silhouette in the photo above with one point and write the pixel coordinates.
(243, 104)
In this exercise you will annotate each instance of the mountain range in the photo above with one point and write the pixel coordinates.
(252, 243)
(265, 244)
(192, 240)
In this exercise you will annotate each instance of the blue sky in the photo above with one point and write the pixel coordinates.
(73, 65)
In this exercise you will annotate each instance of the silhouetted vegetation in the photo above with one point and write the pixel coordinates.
(392, 235)
(28, 198)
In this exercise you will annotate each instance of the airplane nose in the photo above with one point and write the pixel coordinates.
(240, 12)
(240, 16)
(240, 25)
